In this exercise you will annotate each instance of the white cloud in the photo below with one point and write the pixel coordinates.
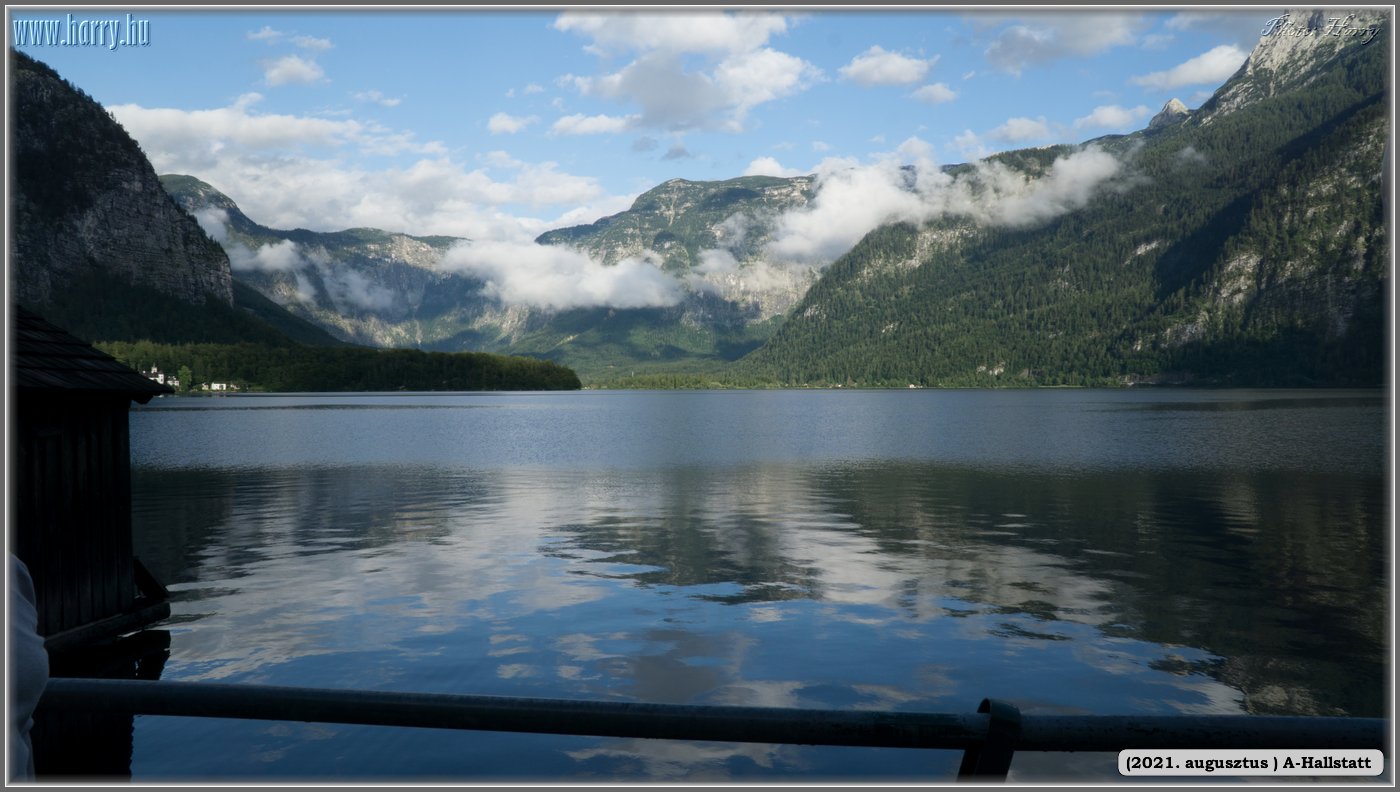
(753, 78)
(292, 69)
(1187, 20)
(937, 93)
(853, 199)
(267, 33)
(1043, 38)
(203, 135)
(1017, 130)
(716, 262)
(850, 202)
(673, 32)
(291, 171)
(275, 257)
(1190, 156)
(692, 71)
(214, 222)
(515, 272)
(345, 287)
(970, 145)
(583, 214)
(769, 166)
(820, 145)
(1209, 67)
(1113, 117)
(349, 289)
(559, 278)
(375, 97)
(1242, 28)
(532, 88)
(500, 159)
(877, 66)
(163, 130)
(677, 151)
(503, 124)
(580, 124)
(772, 286)
(312, 43)
(916, 151)
(1010, 198)
(283, 256)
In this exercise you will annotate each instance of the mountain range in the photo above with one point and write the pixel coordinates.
(1243, 242)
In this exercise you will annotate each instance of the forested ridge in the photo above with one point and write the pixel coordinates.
(1247, 250)
(296, 368)
(102, 251)
(1242, 243)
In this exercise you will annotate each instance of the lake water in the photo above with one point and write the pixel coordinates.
(1069, 551)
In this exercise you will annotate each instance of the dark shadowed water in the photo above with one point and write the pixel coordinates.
(1099, 552)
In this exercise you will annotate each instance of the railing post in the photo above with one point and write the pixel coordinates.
(991, 760)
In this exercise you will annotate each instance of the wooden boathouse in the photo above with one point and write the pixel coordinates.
(70, 490)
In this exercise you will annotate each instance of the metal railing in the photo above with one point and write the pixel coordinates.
(989, 738)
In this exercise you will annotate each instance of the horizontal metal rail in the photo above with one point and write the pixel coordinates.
(966, 732)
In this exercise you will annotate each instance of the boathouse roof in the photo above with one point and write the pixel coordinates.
(46, 357)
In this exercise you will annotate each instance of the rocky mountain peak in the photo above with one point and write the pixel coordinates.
(1172, 112)
(88, 203)
(1293, 48)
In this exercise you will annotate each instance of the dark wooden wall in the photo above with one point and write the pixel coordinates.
(71, 494)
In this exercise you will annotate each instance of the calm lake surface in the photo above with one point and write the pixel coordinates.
(1070, 551)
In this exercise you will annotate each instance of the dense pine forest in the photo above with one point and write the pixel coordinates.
(296, 368)
(1250, 250)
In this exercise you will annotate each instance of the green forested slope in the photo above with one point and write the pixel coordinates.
(299, 368)
(1248, 248)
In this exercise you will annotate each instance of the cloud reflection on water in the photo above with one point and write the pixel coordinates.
(866, 586)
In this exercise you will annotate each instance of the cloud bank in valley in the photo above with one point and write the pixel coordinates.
(559, 278)
(851, 200)
(907, 186)
(345, 288)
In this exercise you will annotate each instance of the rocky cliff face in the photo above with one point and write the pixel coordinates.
(363, 285)
(712, 234)
(389, 289)
(679, 219)
(86, 200)
(1173, 112)
(1250, 248)
(1293, 49)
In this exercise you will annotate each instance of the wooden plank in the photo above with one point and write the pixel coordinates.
(121, 506)
(69, 509)
(147, 583)
(96, 540)
(111, 581)
(103, 568)
(110, 627)
(73, 507)
(86, 509)
(52, 537)
(31, 526)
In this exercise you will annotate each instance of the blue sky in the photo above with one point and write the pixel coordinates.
(502, 124)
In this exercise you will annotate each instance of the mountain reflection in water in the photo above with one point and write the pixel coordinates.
(895, 584)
